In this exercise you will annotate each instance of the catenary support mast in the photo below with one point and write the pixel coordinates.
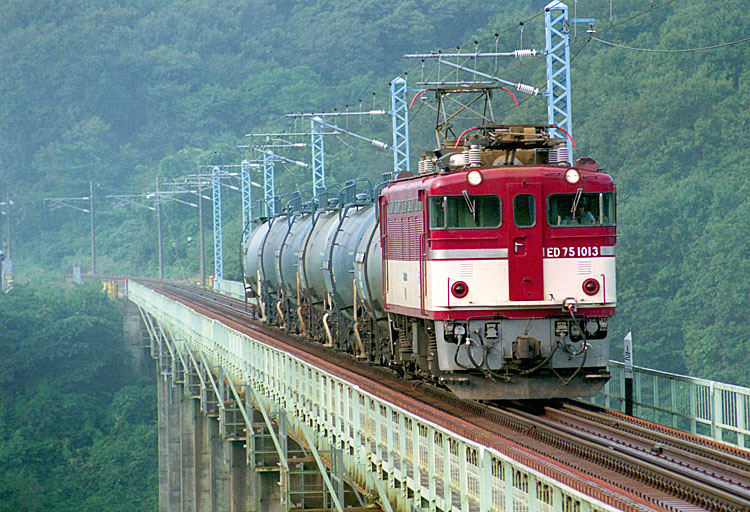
(400, 113)
(218, 251)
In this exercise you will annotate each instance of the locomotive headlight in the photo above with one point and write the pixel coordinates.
(474, 178)
(572, 176)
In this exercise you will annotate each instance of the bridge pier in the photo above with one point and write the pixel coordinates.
(198, 470)
(202, 469)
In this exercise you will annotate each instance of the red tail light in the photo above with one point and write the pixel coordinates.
(460, 289)
(591, 286)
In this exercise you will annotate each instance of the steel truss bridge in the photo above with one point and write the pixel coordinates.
(266, 399)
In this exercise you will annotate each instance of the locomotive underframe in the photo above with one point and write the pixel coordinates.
(495, 358)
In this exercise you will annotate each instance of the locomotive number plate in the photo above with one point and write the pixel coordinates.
(571, 252)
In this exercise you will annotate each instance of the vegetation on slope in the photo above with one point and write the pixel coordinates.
(120, 92)
(76, 431)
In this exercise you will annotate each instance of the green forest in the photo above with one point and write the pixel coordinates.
(77, 430)
(121, 93)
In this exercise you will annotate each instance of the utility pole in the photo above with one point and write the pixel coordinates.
(318, 157)
(400, 114)
(93, 237)
(201, 238)
(269, 188)
(7, 219)
(158, 229)
(218, 239)
(77, 203)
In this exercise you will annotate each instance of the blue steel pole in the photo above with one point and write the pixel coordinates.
(218, 255)
(400, 112)
(247, 200)
(318, 158)
(268, 184)
(557, 28)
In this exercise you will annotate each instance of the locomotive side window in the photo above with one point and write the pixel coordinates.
(437, 212)
(524, 210)
(465, 212)
(581, 209)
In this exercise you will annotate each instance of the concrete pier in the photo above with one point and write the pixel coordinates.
(200, 471)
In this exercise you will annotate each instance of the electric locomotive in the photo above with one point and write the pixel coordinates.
(491, 272)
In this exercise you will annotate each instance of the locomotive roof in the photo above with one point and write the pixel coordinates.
(435, 181)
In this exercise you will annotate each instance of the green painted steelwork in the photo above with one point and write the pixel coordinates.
(392, 453)
(230, 288)
(705, 407)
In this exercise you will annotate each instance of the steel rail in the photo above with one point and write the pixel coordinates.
(674, 436)
(709, 449)
(716, 486)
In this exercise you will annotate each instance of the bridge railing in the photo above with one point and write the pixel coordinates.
(231, 288)
(704, 407)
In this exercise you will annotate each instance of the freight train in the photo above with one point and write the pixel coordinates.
(490, 272)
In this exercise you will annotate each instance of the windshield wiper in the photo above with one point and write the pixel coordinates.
(577, 198)
(471, 204)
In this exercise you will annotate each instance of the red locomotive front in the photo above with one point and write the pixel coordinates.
(499, 267)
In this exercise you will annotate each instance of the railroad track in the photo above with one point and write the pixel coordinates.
(630, 463)
(709, 475)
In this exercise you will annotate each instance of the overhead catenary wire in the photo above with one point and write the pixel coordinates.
(174, 243)
(681, 50)
(495, 36)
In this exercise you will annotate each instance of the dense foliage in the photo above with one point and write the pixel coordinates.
(76, 431)
(120, 92)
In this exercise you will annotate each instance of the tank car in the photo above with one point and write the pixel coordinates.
(491, 272)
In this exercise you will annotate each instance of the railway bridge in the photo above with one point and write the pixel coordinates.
(249, 424)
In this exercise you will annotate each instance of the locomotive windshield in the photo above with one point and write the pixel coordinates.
(464, 212)
(581, 209)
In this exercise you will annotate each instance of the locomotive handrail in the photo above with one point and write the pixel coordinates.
(422, 271)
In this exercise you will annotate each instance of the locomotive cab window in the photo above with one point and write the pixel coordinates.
(524, 210)
(464, 212)
(581, 209)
